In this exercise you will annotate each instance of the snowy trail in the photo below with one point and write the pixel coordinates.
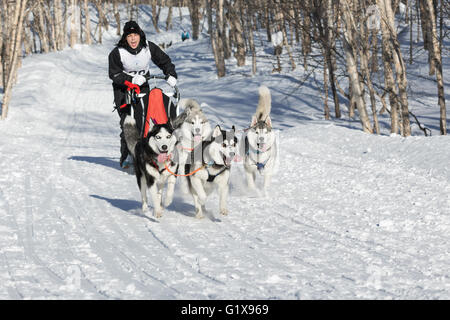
(348, 215)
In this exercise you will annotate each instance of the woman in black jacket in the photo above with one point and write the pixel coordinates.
(130, 61)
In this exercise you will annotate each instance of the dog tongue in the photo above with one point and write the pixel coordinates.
(197, 138)
(237, 158)
(163, 157)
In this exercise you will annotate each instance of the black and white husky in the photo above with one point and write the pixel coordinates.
(152, 161)
(258, 143)
(212, 169)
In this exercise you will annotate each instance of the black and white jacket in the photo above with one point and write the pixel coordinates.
(125, 62)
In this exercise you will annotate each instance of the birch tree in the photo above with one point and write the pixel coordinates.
(234, 12)
(437, 62)
(15, 33)
(387, 19)
(57, 26)
(194, 12)
(73, 22)
(216, 36)
(87, 24)
(351, 61)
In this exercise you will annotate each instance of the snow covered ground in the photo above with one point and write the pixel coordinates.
(348, 215)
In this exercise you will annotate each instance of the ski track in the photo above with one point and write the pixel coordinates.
(340, 221)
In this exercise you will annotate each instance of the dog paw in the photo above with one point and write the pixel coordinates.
(199, 213)
(158, 214)
(167, 202)
(224, 212)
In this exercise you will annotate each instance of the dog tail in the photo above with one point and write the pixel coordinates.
(188, 105)
(131, 133)
(264, 104)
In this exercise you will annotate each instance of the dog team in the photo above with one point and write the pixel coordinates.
(187, 147)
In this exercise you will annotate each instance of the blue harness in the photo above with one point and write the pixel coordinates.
(259, 165)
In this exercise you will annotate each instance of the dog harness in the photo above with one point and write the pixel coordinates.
(211, 177)
(259, 165)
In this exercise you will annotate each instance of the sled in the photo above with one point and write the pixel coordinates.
(158, 106)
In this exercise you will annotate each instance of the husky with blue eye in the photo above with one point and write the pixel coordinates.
(212, 169)
(258, 143)
(153, 162)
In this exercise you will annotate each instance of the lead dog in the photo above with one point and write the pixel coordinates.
(212, 169)
(258, 142)
(152, 157)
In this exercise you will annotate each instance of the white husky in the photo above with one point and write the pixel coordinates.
(191, 128)
(258, 143)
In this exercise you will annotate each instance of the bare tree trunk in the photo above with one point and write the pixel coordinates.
(234, 10)
(40, 28)
(426, 31)
(102, 21)
(27, 44)
(12, 17)
(87, 25)
(250, 39)
(267, 22)
(130, 9)
(437, 58)
(374, 56)
(410, 32)
(73, 23)
(355, 84)
(194, 12)
(155, 15)
(366, 72)
(389, 81)
(50, 31)
(65, 20)
(216, 37)
(288, 47)
(1, 48)
(16, 34)
(388, 15)
(306, 33)
(59, 40)
(441, 24)
(330, 47)
(116, 16)
(228, 33)
(6, 42)
(169, 17)
(325, 87)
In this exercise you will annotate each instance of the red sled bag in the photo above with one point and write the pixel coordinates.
(157, 107)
